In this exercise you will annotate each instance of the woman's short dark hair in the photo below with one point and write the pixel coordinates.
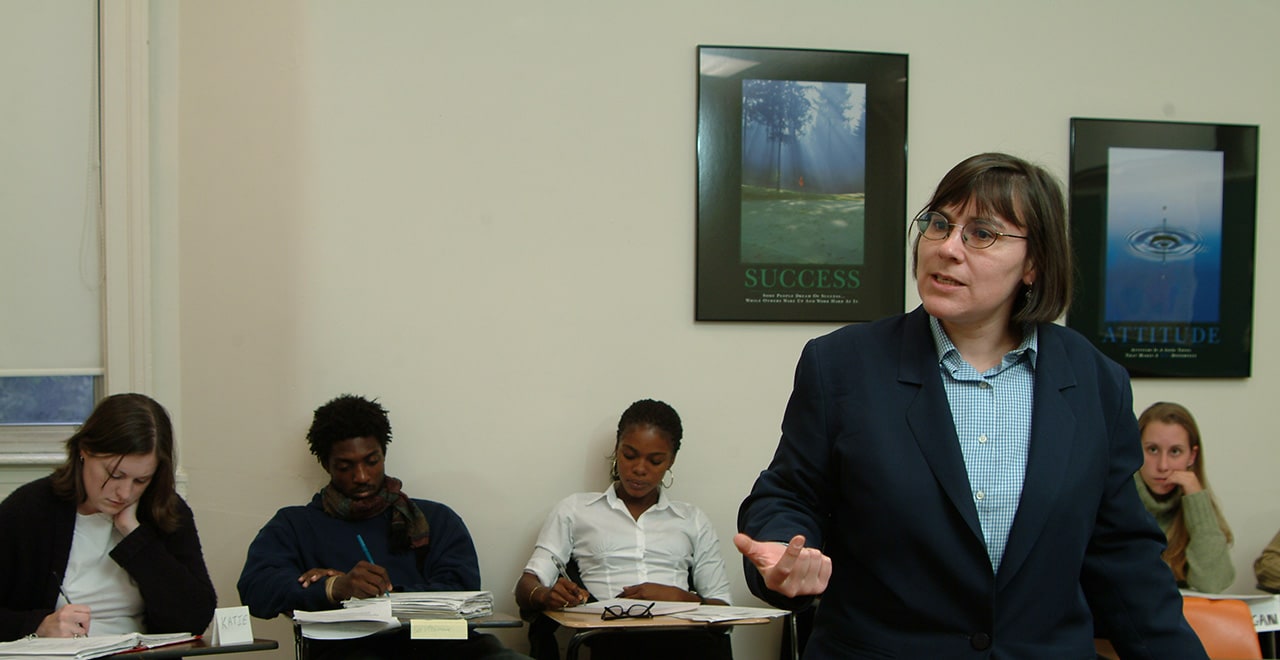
(648, 412)
(126, 425)
(348, 416)
(1030, 197)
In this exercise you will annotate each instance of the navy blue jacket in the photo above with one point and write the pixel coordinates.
(869, 469)
(300, 538)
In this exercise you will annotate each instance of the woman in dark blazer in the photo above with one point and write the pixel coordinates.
(105, 544)
(956, 482)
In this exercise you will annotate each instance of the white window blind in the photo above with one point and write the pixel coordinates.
(50, 257)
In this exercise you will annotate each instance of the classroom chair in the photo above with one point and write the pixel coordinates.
(1224, 625)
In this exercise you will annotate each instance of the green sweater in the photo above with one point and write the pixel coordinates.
(1209, 568)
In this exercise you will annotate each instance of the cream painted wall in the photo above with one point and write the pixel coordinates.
(483, 214)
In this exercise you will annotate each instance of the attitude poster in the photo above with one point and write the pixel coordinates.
(1163, 221)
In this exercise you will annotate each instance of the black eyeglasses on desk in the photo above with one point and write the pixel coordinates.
(636, 611)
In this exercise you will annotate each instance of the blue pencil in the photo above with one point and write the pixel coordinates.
(365, 548)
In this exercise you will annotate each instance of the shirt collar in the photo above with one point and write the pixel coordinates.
(610, 495)
(1030, 345)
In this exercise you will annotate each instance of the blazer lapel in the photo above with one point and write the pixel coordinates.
(1053, 429)
(929, 417)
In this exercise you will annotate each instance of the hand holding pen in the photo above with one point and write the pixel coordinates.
(70, 620)
(565, 590)
(365, 580)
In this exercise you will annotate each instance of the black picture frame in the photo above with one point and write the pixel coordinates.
(1163, 218)
(820, 233)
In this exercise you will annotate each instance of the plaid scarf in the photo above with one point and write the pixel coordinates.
(408, 526)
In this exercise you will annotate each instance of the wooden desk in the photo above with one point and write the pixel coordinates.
(496, 620)
(585, 626)
(199, 647)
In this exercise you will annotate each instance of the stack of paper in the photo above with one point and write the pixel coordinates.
(358, 619)
(435, 604)
(86, 648)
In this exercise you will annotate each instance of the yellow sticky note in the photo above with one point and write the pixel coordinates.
(438, 629)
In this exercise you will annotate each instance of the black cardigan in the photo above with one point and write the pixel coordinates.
(36, 528)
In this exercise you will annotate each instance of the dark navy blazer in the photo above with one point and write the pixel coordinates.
(869, 469)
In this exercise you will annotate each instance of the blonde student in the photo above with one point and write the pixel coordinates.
(1174, 488)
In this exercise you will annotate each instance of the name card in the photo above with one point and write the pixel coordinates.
(1266, 612)
(437, 629)
(231, 626)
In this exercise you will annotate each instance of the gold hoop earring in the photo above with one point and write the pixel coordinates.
(665, 482)
(613, 469)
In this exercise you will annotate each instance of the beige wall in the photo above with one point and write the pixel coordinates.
(483, 214)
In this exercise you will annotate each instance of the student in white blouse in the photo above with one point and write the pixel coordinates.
(632, 541)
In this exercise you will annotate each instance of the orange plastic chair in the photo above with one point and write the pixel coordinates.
(1224, 625)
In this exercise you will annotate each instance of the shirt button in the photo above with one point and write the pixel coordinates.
(980, 641)
(982, 438)
(984, 385)
(979, 495)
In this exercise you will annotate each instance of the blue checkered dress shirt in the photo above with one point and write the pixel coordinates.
(992, 415)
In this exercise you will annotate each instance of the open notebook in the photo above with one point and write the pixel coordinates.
(86, 648)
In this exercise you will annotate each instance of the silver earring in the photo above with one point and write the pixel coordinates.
(665, 482)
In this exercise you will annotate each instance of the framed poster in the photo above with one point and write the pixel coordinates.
(801, 184)
(1162, 218)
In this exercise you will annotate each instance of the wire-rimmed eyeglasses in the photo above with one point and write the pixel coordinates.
(637, 611)
(976, 234)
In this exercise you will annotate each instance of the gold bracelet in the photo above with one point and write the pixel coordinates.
(328, 587)
(532, 592)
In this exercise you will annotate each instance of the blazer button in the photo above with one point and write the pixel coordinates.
(980, 641)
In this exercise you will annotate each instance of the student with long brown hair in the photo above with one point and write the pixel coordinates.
(105, 544)
(1174, 488)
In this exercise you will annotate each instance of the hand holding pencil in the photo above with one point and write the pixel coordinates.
(567, 590)
(365, 580)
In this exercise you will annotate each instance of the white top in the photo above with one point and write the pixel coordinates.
(93, 578)
(614, 550)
